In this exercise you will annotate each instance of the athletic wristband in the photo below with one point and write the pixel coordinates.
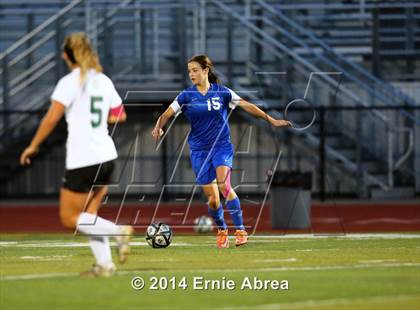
(117, 111)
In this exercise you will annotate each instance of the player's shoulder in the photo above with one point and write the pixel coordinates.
(221, 88)
(223, 91)
(187, 93)
(102, 77)
(189, 90)
(70, 78)
(102, 81)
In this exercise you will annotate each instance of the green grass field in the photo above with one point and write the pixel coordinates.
(347, 272)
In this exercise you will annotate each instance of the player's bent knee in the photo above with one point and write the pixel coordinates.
(68, 221)
(213, 202)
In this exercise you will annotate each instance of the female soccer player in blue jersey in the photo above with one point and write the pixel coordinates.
(205, 105)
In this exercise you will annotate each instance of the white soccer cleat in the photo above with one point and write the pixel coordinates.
(100, 271)
(123, 240)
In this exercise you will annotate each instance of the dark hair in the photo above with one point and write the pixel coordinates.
(205, 62)
(67, 49)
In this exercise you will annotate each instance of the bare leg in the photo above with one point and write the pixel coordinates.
(96, 201)
(71, 205)
(223, 182)
(216, 211)
(212, 193)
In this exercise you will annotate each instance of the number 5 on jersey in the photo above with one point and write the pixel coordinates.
(96, 111)
(213, 103)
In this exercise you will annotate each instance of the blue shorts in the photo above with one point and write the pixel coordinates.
(204, 163)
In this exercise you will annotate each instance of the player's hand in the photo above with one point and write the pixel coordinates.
(25, 157)
(157, 132)
(280, 123)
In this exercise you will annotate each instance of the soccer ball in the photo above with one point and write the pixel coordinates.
(159, 235)
(203, 224)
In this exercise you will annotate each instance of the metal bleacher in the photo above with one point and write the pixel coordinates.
(20, 17)
(342, 58)
(375, 34)
(372, 158)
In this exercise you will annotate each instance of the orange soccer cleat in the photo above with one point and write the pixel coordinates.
(241, 237)
(222, 239)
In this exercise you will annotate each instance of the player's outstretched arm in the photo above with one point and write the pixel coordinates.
(161, 122)
(258, 113)
(47, 125)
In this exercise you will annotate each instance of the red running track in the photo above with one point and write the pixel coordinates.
(325, 218)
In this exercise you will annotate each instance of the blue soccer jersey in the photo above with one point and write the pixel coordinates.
(208, 115)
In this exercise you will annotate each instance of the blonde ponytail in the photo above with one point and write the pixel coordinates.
(83, 55)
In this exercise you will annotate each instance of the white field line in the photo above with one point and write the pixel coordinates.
(36, 276)
(8, 242)
(80, 244)
(326, 302)
(46, 258)
(198, 271)
(273, 240)
(260, 238)
(344, 236)
(315, 250)
(300, 237)
(373, 261)
(292, 259)
(60, 257)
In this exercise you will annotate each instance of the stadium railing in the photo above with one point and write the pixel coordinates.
(275, 37)
(325, 65)
(256, 152)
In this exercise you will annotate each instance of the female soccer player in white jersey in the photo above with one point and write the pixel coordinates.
(89, 100)
(205, 105)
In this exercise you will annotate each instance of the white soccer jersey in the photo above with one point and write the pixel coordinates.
(87, 109)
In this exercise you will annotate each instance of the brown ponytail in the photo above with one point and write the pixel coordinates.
(205, 62)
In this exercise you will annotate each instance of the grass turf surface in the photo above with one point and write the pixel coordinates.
(348, 272)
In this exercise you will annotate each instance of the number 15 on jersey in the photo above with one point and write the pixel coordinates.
(213, 103)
